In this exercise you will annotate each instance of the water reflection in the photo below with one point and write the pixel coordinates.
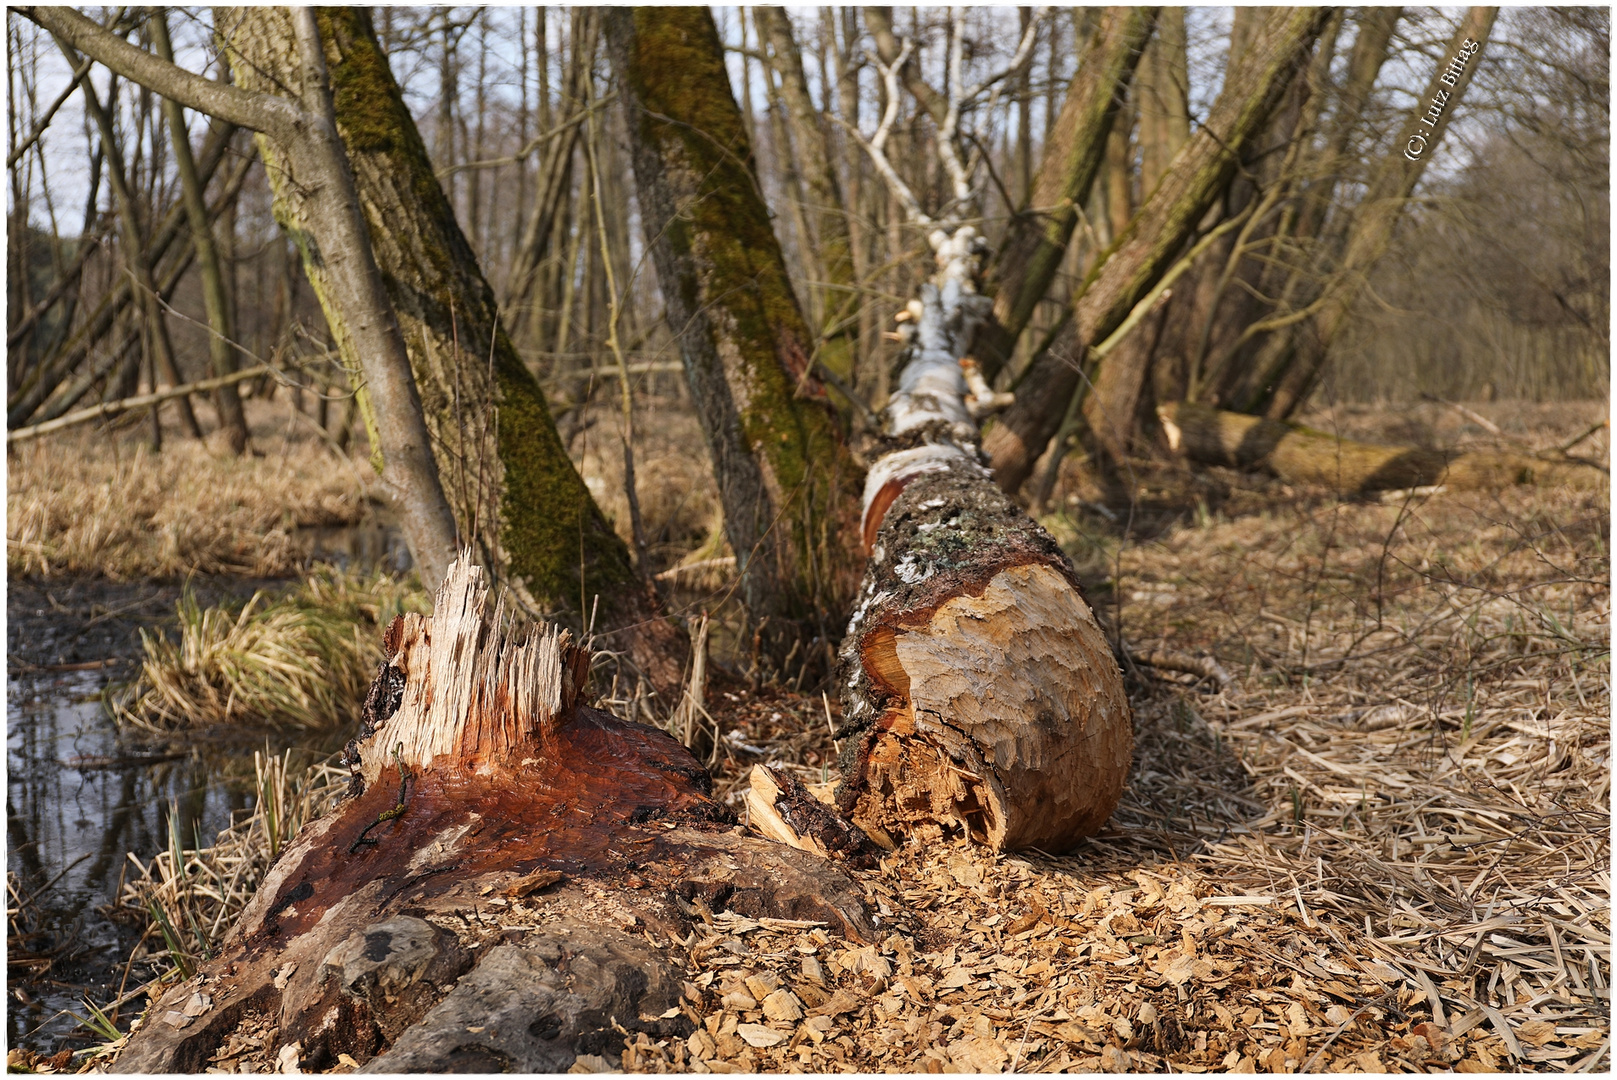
(79, 796)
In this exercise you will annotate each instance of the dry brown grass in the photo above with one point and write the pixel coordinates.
(87, 502)
(189, 899)
(304, 658)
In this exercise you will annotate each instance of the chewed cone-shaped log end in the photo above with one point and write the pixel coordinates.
(475, 689)
(985, 691)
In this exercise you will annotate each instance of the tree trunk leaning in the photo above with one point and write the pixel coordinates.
(1020, 272)
(785, 479)
(1154, 237)
(498, 891)
(1302, 455)
(1282, 370)
(507, 475)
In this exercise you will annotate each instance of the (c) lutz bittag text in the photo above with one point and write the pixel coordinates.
(1416, 146)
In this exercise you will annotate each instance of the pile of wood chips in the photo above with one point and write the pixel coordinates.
(1384, 847)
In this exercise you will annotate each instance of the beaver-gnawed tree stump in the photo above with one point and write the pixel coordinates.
(506, 885)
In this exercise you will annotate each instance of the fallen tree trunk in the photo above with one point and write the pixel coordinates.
(979, 694)
(982, 692)
(1302, 455)
(505, 886)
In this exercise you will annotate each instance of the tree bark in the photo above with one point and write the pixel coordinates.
(1154, 237)
(1030, 255)
(785, 480)
(509, 479)
(1302, 455)
(1163, 96)
(221, 341)
(1220, 294)
(483, 783)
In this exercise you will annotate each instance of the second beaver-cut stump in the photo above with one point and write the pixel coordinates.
(978, 686)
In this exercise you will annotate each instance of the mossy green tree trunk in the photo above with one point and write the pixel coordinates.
(1036, 240)
(1218, 294)
(788, 485)
(1155, 237)
(515, 492)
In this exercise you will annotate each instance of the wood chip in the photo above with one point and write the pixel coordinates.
(534, 882)
(760, 1036)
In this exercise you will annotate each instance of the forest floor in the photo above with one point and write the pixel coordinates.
(1384, 845)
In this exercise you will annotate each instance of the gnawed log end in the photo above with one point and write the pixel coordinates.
(978, 686)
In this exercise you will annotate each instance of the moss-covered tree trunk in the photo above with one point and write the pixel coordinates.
(1030, 255)
(514, 490)
(788, 486)
(1155, 237)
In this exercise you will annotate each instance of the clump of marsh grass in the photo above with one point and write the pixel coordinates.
(189, 899)
(303, 659)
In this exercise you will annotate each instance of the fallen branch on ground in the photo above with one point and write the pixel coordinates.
(1206, 667)
(1296, 454)
(139, 401)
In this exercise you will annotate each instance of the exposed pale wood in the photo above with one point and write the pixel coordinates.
(782, 808)
(1173, 660)
(1003, 712)
(499, 890)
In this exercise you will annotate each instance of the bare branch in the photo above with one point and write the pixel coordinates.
(960, 172)
(113, 408)
(45, 121)
(1024, 54)
(876, 145)
(273, 116)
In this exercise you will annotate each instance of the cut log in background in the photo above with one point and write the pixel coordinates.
(1301, 455)
(506, 887)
